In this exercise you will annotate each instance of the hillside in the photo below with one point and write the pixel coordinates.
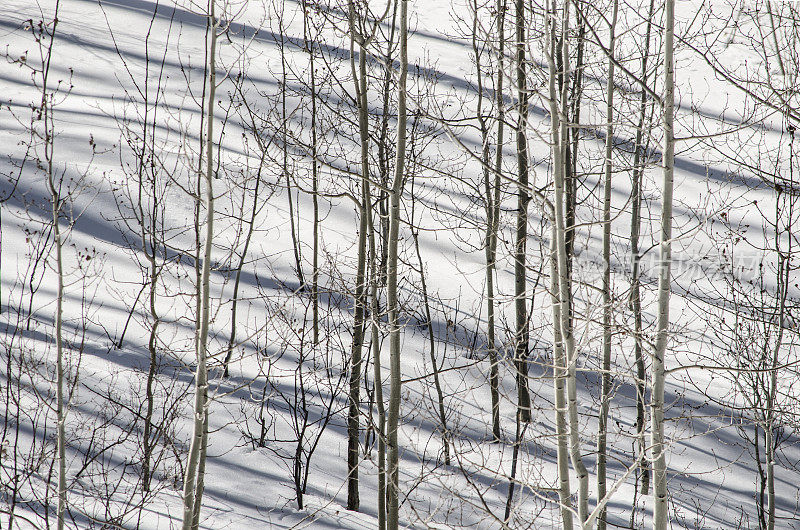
(107, 111)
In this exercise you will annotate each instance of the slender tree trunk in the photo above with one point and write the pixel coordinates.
(575, 89)
(661, 507)
(432, 349)
(309, 47)
(492, 191)
(360, 85)
(494, 225)
(571, 158)
(285, 162)
(60, 401)
(383, 144)
(605, 392)
(198, 270)
(762, 479)
(196, 461)
(559, 382)
(560, 369)
(149, 243)
(774, 28)
(151, 348)
(519, 435)
(201, 467)
(380, 276)
(559, 138)
(639, 162)
(770, 478)
(54, 187)
(394, 323)
(377, 373)
(783, 283)
(237, 279)
(521, 339)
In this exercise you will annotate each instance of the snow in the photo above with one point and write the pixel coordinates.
(712, 476)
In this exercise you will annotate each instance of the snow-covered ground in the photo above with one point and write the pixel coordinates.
(106, 54)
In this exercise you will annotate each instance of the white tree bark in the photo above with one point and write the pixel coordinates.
(61, 413)
(60, 402)
(559, 139)
(559, 382)
(492, 192)
(661, 507)
(377, 372)
(392, 518)
(605, 391)
(639, 162)
(192, 489)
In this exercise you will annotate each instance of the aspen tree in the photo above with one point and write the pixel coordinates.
(560, 360)
(783, 285)
(242, 258)
(559, 384)
(437, 385)
(360, 86)
(308, 46)
(605, 391)
(192, 489)
(559, 139)
(491, 261)
(660, 505)
(377, 372)
(358, 37)
(379, 274)
(54, 186)
(43, 130)
(639, 161)
(520, 245)
(492, 190)
(392, 517)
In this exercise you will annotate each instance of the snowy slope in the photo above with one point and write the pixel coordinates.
(712, 475)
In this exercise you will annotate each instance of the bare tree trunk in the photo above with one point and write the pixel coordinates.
(198, 268)
(432, 345)
(201, 467)
(149, 247)
(775, 39)
(519, 435)
(559, 382)
(380, 275)
(196, 461)
(559, 138)
(661, 507)
(491, 260)
(394, 324)
(308, 44)
(521, 338)
(492, 191)
(377, 373)
(571, 157)
(770, 456)
(237, 279)
(383, 144)
(783, 284)
(150, 253)
(639, 162)
(605, 391)
(60, 402)
(360, 85)
(54, 187)
(298, 261)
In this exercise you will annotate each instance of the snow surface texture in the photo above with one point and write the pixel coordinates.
(100, 53)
